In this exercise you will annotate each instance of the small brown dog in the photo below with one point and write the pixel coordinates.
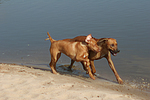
(77, 51)
(107, 46)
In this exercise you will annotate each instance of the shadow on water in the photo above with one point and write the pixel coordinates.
(64, 70)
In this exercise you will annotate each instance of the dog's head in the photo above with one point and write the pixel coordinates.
(112, 46)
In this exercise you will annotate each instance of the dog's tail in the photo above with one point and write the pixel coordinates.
(50, 38)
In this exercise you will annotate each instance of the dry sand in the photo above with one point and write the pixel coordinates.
(24, 83)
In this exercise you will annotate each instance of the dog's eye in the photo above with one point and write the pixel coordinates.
(112, 45)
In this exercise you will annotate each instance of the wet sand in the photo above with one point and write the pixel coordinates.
(23, 83)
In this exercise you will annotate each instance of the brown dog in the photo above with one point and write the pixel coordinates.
(77, 51)
(107, 46)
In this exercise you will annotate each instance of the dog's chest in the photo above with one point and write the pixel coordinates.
(103, 55)
(100, 55)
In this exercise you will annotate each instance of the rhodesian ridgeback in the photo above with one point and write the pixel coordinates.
(107, 47)
(77, 51)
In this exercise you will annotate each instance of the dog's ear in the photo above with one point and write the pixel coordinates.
(102, 40)
(88, 38)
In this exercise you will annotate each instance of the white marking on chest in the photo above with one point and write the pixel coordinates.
(84, 56)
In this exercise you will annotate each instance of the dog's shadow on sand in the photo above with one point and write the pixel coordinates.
(64, 70)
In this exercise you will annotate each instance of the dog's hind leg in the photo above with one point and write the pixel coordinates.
(87, 63)
(70, 66)
(54, 59)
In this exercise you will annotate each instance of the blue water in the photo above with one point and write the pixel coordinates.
(24, 24)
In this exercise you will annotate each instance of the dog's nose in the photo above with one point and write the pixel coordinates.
(118, 50)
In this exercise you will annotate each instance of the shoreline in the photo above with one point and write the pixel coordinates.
(25, 82)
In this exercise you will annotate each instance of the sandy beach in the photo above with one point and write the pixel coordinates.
(26, 83)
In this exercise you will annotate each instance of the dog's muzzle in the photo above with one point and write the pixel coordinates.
(114, 52)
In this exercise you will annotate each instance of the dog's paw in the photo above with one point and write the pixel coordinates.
(54, 72)
(57, 74)
(120, 81)
(91, 76)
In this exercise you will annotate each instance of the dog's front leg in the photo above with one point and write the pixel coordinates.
(92, 66)
(93, 70)
(111, 64)
(87, 64)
